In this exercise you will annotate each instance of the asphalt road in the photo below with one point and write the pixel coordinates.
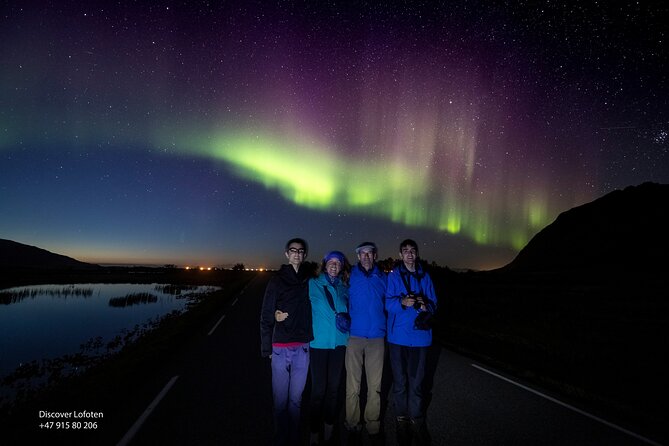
(219, 393)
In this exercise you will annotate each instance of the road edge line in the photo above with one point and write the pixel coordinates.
(575, 409)
(233, 303)
(216, 325)
(138, 424)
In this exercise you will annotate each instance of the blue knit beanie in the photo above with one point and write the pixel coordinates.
(334, 255)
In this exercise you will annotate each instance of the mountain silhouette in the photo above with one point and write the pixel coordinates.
(18, 255)
(623, 230)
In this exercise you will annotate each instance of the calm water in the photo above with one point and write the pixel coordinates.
(48, 321)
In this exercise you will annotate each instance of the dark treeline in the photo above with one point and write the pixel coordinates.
(112, 274)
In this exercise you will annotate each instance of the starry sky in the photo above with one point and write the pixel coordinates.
(208, 133)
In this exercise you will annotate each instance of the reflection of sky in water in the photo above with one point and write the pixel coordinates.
(53, 323)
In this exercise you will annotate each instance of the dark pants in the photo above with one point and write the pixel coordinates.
(408, 365)
(290, 366)
(326, 372)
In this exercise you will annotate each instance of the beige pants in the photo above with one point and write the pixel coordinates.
(369, 352)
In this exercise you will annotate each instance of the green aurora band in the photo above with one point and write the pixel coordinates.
(401, 189)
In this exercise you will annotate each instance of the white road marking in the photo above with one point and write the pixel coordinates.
(575, 409)
(216, 326)
(138, 424)
(223, 317)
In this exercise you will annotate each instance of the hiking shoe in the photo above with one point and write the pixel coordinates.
(420, 432)
(352, 438)
(403, 430)
(377, 439)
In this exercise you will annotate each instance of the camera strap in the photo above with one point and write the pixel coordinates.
(407, 281)
(328, 295)
(405, 275)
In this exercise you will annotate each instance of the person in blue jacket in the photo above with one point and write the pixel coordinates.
(366, 345)
(409, 292)
(329, 295)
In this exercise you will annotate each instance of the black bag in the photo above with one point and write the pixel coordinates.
(424, 321)
(342, 320)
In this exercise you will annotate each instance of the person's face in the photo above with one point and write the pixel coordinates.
(367, 257)
(333, 267)
(295, 254)
(408, 255)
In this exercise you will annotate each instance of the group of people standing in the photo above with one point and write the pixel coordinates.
(344, 317)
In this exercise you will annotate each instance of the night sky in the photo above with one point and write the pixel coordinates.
(208, 134)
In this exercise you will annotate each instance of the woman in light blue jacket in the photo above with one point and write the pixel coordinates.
(329, 295)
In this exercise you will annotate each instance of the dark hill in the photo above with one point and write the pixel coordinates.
(623, 230)
(18, 255)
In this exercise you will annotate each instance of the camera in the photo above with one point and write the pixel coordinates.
(417, 304)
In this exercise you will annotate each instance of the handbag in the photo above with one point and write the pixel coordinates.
(343, 319)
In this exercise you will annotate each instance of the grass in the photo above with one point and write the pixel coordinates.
(135, 364)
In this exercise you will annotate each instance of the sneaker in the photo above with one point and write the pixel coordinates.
(377, 439)
(420, 432)
(328, 429)
(403, 429)
(352, 438)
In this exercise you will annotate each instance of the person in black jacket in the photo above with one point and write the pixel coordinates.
(285, 333)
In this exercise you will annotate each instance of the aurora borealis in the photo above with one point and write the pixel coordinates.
(207, 133)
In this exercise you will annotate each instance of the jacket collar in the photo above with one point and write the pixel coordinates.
(417, 273)
(375, 271)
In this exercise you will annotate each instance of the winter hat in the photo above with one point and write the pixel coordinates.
(334, 255)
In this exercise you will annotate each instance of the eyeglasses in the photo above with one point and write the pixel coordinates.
(296, 251)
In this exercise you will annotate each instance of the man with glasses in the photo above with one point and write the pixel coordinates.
(366, 344)
(410, 293)
(285, 333)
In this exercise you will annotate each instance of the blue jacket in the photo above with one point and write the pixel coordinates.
(326, 334)
(366, 302)
(400, 318)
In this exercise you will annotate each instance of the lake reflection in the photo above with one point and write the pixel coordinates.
(47, 321)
